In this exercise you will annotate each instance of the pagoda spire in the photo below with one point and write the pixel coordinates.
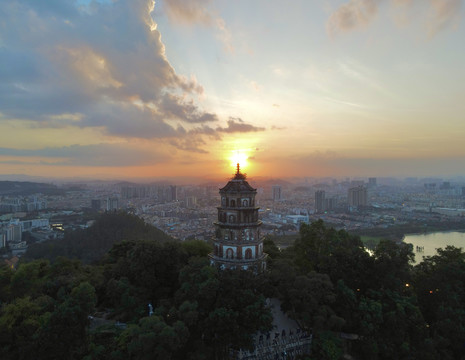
(238, 175)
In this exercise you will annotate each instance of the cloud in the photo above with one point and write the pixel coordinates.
(356, 14)
(274, 127)
(255, 86)
(175, 107)
(194, 12)
(444, 13)
(103, 62)
(190, 144)
(352, 15)
(189, 12)
(238, 125)
(118, 155)
(225, 36)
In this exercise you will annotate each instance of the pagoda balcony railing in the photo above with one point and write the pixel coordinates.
(238, 224)
(238, 207)
(235, 260)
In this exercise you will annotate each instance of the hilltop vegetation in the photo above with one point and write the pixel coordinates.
(89, 245)
(326, 280)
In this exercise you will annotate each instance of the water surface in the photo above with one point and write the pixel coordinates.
(428, 243)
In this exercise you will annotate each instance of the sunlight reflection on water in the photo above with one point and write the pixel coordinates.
(428, 243)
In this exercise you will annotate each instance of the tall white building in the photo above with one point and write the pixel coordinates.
(14, 233)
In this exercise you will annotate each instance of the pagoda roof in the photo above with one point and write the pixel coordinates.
(238, 183)
(237, 186)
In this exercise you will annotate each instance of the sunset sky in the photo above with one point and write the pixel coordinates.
(135, 89)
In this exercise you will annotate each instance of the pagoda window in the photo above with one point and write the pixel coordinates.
(229, 253)
(248, 254)
(245, 203)
(232, 219)
(223, 201)
(233, 203)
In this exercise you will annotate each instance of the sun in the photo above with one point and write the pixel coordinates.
(239, 157)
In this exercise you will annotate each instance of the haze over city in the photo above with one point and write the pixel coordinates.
(139, 89)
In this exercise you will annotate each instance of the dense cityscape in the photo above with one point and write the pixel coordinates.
(363, 206)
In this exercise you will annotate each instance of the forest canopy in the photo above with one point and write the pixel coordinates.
(88, 297)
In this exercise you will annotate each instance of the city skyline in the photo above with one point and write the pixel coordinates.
(137, 89)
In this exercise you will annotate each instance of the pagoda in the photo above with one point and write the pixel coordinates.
(238, 243)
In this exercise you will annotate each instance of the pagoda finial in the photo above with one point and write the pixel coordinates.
(238, 175)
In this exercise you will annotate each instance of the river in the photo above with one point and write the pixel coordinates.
(428, 243)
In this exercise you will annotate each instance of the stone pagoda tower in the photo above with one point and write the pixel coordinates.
(238, 243)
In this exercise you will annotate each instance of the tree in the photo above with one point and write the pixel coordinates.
(152, 338)
(439, 283)
(29, 278)
(392, 265)
(326, 345)
(223, 309)
(6, 273)
(91, 244)
(64, 333)
(309, 300)
(336, 253)
(197, 248)
(20, 324)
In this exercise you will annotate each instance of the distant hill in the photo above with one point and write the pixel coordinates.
(27, 188)
(91, 244)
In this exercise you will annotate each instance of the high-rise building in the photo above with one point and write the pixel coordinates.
(277, 192)
(2, 240)
(330, 204)
(190, 202)
(319, 201)
(372, 182)
(173, 193)
(238, 243)
(357, 197)
(355, 183)
(96, 204)
(445, 185)
(14, 232)
(112, 204)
